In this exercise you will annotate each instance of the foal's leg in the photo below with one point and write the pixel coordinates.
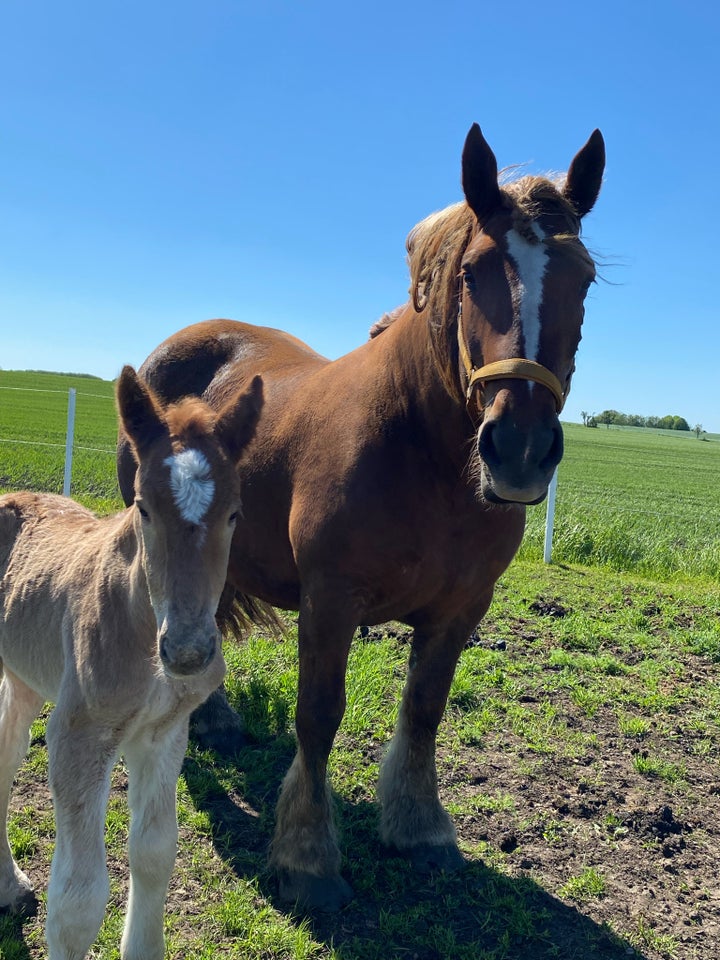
(304, 852)
(413, 820)
(81, 760)
(153, 771)
(19, 705)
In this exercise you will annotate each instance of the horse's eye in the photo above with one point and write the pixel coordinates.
(233, 519)
(468, 278)
(142, 511)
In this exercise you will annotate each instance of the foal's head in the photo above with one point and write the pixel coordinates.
(187, 498)
(508, 274)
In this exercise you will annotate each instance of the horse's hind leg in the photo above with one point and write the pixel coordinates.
(305, 853)
(19, 705)
(153, 771)
(413, 821)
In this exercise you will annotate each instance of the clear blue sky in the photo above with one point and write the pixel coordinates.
(162, 163)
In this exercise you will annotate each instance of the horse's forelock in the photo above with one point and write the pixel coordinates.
(190, 419)
(435, 246)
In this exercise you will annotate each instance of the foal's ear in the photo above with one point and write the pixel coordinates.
(236, 422)
(480, 175)
(584, 177)
(140, 414)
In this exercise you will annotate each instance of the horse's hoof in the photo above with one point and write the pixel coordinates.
(430, 858)
(24, 905)
(308, 893)
(214, 725)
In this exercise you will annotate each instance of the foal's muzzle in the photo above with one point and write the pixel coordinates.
(183, 657)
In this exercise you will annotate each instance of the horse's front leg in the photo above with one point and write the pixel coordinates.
(413, 821)
(19, 705)
(304, 852)
(81, 759)
(153, 771)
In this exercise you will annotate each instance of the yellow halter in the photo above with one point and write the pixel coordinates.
(515, 368)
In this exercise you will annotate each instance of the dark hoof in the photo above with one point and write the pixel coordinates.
(216, 726)
(429, 858)
(308, 893)
(26, 905)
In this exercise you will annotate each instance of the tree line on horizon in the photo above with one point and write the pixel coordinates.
(616, 418)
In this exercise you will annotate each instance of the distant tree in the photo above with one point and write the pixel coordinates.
(680, 423)
(584, 414)
(698, 428)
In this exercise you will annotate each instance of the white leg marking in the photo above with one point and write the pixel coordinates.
(191, 483)
(531, 262)
(407, 788)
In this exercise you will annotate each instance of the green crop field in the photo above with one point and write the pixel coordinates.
(628, 499)
(579, 755)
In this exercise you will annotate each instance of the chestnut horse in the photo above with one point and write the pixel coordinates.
(114, 620)
(392, 483)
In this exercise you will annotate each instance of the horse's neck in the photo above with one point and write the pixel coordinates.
(421, 378)
(122, 560)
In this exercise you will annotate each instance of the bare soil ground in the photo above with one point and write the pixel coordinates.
(609, 850)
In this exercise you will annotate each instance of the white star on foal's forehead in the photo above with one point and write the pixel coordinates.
(191, 483)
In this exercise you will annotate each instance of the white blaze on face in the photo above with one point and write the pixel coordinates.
(530, 263)
(192, 486)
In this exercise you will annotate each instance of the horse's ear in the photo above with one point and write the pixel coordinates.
(480, 175)
(140, 414)
(236, 422)
(584, 177)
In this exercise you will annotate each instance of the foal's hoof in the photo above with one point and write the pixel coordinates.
(24, 905)
(214, 725)
(431, 858)
(309, 893)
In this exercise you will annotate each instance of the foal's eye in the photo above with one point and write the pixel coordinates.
(142, 511)
(233, 519)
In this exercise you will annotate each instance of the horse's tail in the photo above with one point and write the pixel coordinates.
(238, 613)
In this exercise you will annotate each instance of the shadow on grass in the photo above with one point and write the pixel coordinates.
(476, 914)
(12, 938)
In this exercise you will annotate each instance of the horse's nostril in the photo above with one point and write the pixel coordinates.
(555, 452)
(486, 444)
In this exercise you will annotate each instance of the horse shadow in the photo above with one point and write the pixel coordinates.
(12, 936)
(477, 912)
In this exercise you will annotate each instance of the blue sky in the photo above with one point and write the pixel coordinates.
(162, 163)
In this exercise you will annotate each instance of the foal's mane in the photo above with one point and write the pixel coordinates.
(435, 245)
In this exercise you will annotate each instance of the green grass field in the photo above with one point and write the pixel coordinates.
(579, 755)
(628, 499)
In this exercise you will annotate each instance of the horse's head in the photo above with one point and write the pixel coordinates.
(187, 498)
(506, 277)
(524, 277)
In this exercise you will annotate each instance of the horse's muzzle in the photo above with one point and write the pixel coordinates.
(518, 463)
(183, 657)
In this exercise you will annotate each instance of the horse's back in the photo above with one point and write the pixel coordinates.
(212, 358)
(19, 509)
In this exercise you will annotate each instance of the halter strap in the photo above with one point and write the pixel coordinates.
(515, 368)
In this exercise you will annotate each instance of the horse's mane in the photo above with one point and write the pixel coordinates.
(435, 245)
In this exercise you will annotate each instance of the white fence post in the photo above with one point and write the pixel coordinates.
(550, 518)
(69, 441)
